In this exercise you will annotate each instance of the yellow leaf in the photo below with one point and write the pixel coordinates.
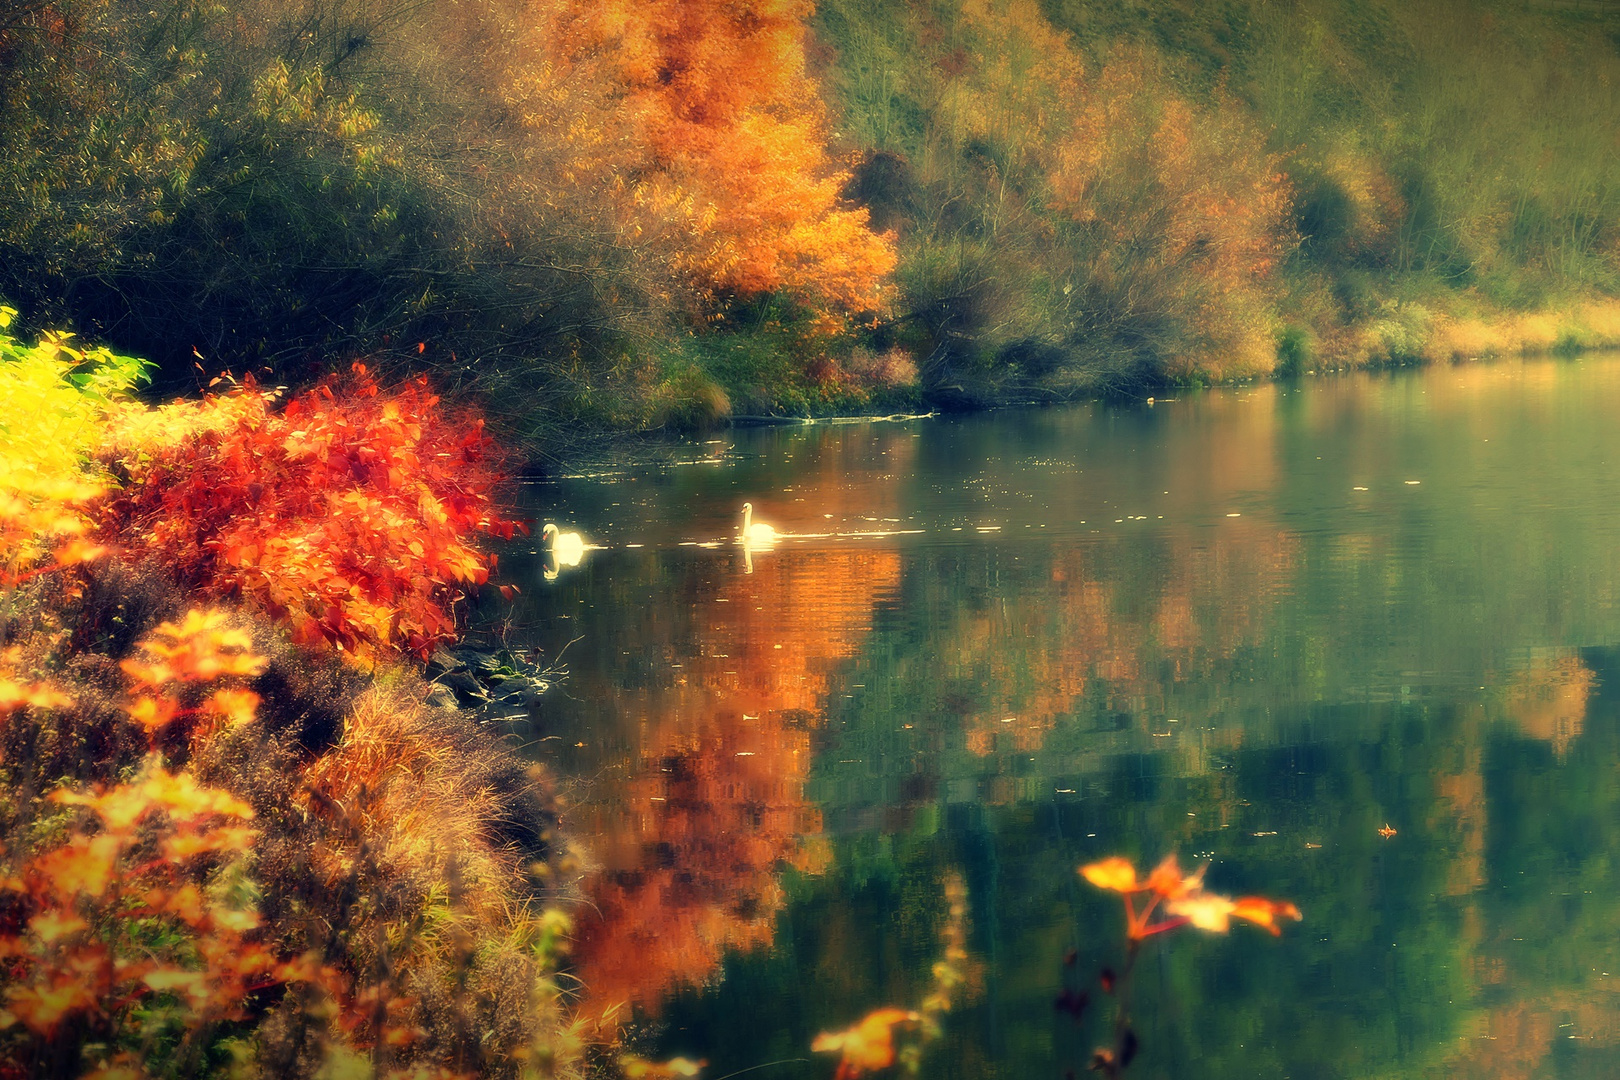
(50, 925)
(235, 706)
(1114, 873)
(866, 1047)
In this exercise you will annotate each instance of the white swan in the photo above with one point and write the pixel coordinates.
(561, 549)
(756, 533)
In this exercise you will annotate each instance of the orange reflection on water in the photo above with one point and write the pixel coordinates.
(712, 804)
(1036, 660)
(1548, 700)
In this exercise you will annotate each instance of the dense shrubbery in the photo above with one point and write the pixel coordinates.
(508, 193)
(221, 847)
(1445, 169)
(344, 513)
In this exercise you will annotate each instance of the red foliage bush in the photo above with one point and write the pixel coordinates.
(348, 513)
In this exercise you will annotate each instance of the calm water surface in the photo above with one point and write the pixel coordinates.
(1250, 627)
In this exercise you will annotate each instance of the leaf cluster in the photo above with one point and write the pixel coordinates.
(348, 513)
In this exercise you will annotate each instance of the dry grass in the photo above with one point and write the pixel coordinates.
(1412, 333)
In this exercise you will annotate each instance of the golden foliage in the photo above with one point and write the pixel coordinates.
(54, 397)
(730, 162)
(95, 901)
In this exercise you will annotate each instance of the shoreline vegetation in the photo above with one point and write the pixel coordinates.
(373, 251)
(239, 832)
(595, 218)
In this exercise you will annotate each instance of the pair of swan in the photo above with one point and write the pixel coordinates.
(562, 549)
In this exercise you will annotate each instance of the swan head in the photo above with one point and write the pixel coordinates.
(548, 534)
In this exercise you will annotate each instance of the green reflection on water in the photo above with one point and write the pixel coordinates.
(1250, 626)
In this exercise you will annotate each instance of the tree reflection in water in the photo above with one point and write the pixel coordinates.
(712, 806)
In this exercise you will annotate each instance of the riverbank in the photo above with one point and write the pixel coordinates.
(875, 207)
(1405, 334)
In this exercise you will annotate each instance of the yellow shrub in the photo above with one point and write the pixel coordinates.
(53, 400)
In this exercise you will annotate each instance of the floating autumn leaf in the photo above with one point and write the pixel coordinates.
(866, 1047)
(1259, 910)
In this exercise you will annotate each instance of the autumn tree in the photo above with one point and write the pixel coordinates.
(731, 147)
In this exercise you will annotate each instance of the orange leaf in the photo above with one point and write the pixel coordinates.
(1166, 879)
(235, 706)
(42, 1008)
(1114, 873)
(75, 552)
(15, 695)
(152, 713)
(1265, 912)
(84, 865)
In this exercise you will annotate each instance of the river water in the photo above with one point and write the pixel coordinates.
(1352, 642)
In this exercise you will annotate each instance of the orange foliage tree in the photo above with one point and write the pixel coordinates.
(348, 513)
(730, 145)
